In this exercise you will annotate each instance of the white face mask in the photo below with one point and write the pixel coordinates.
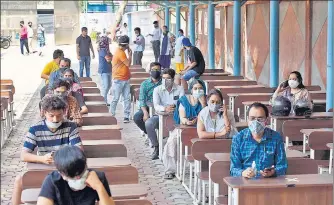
(293, 84)
(78, 184)
(198, 93)
(53, 125)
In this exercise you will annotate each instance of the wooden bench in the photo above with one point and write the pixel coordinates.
(317, 140)
(100, 134)
(10, 99)
(221, 77)
(82, 79)
(8, 87)
(291, 129)
(5, 120)
(199, 148)
(97, 102)
(98, 119)
(91, 90)
(104, 148)
(93, 97)
(136, 81)
(212, 83)
(88, 84)
(102, 108)
(139, 75)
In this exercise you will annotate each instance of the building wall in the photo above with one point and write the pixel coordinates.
(303, 39)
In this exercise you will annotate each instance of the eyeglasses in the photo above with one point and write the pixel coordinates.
(260, 119)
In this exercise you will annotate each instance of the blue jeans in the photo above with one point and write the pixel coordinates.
(106, 84)
(84, 61)
(118, 88)
(189, 74)
(24, 42)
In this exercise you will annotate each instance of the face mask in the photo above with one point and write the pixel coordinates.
(198, 93)
(78, 184)
(256, 127)
(167, 83)
(213, 107)
(293, 84)
(155, 74)
(53, 125)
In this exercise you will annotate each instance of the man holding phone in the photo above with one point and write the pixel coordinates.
(121, 77)
(165, 97)
(258, 147)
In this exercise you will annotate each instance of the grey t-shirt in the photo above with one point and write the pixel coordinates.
(84, 44)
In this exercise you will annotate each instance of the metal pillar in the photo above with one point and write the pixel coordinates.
(237, 38)
(211, 34)
(167, 17)
(130, 26)
(330, 77)
(191, 20)
(178, 16)
(274, 43)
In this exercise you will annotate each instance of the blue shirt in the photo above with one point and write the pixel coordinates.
(39, 135)
(104, 66)
(270, 151)
(146, 91)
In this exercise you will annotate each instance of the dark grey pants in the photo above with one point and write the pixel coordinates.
(137, 56)
(156, 50)
(151, 124)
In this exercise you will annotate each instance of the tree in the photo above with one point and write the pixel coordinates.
(119, 16)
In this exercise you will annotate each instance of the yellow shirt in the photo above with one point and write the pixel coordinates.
(49, 68)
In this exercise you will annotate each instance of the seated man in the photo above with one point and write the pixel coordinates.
(73, 182)
(165, 97)
(146, 95)
(51, 67)
(62, 89)
(48, 135)
(258, 150)
(197, 66)
(65, 64)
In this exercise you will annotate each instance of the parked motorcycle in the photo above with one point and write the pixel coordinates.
(5, 41)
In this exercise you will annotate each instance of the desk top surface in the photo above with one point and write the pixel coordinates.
(314, 115)
(100, 127)
(309, 131)
(305, 180)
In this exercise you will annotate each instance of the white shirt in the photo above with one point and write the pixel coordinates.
(163, 98)
(156, 34)
(218, 124)
(178, 47)
(124, 31)
(30, 32)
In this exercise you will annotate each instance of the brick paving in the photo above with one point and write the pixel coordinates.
(151, 173)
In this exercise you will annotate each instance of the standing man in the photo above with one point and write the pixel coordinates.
(140, 47)
(156, 34)
(30, 36)
(23, 38)
(124, 30)
(40, 38)
(166, 47)
(179, 56)
(197, 66)
(121, 77)
(84, 43)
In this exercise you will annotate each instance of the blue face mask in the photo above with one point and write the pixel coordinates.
(256, 126)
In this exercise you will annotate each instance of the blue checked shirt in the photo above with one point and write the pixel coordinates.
(270, 151)
(146, 91)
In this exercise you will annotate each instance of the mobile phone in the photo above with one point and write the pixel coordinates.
(284, 84)
(192, 118)
(268, 169)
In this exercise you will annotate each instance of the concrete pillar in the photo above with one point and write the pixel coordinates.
(237, 38)
(274, 43)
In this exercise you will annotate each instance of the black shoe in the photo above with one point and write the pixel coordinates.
(155, 154)
(126, 120)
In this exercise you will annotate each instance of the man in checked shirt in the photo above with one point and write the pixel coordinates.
(258, 144)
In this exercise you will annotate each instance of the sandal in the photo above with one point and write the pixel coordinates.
(169, 176)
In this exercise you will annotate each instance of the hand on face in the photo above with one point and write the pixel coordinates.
(93, 180)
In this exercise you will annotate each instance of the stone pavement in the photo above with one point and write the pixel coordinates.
(161, 191)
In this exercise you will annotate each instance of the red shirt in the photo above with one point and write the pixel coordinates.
(24, 32)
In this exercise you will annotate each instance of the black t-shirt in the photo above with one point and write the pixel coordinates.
(194, 54)
(78, 96)
(54, 187)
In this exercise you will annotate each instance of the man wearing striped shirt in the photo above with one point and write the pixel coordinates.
(48, 136)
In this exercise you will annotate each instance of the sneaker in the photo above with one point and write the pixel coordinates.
(126, 120)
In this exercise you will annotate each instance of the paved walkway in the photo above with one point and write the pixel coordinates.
(161, 192)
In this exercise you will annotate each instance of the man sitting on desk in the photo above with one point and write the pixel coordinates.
(258, 150)
(146, 95)
(48, 135)
(165, 97)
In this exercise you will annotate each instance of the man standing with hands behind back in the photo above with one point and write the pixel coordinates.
(84, 43)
